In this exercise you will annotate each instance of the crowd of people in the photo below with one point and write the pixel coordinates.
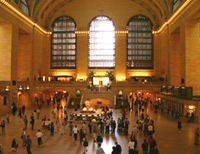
(88, 130)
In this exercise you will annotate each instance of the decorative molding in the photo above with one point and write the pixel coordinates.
(173, 17)
(20, 14)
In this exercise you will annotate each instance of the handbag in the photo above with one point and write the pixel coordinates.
(16, 146)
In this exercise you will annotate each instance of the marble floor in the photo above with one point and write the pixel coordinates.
(166, 134)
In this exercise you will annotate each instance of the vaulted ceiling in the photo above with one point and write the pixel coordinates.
(45, 11)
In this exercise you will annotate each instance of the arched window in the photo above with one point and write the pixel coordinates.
(140, 43)
(176, 4)
(102, 43)
(63, 42)
(23, 5)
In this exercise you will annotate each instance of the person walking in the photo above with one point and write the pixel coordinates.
(145, 147)
(152, 143)
(90, 127)
(131, 145)
(23, 137)
(32, 122)
(154, 150)
(81, 135)
(8, 117)
(20, 113)
(52, 129)
(197, 133)
(39, 137)
(179, 126)
(70, 128)
(118, 148)
(113, 126)
(94, 130)
(113, 150)
(3, 125)
(28, 144)
(100, 150)
(23, 109)
(75, 132)
(99, 138)
(38, 113)
(25, 122)
(107, 125)
(85, 145)
(14, 108)
(14, 145)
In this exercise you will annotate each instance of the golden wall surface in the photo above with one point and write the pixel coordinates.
(5, 51)
(180, 49)
(25, 52)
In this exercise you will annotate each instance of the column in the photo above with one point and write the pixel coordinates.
(192, 56)
(5, 51)
(175, 60)
(82, 55)
(14, 63)
(120, 56)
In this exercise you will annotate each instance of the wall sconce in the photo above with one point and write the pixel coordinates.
(43, 78)
(78, 93)
(27, 87)
(20, 88)
(120, 93)
(19, 93)
(49, 78)
(191, 107)
(7, 88)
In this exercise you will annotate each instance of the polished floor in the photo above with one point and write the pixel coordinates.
(166, 134)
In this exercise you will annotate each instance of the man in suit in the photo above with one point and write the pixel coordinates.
(118, 148)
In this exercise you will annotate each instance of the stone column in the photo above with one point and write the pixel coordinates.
(175, 60)
(82, 56)
(14, 63)
(120, 56)
(192, 56)
(5, 67)
(5, 51)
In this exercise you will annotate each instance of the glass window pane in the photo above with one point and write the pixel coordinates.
(140, 43)
(102, 43)
(23, 5)
(63, 43)
(176, 4)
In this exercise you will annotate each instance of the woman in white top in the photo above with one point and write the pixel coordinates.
(131, 145)
(23, 137)
(39, 137)
(75, 131)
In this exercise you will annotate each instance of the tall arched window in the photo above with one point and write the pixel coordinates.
(23, 5)
(140, 43)
(63, 42)
(102, 43)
